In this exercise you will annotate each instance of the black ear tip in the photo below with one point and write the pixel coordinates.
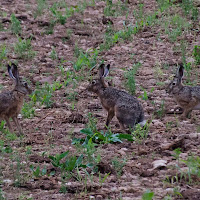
(14, 65)
(101, 65)
(108, 66)
(181, 65)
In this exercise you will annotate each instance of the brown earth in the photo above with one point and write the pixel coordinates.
(52, 129)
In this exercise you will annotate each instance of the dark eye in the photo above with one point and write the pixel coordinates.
(25, 84)
(173, 83)
(93, 82)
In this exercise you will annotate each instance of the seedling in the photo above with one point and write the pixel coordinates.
(23, 49)
(130, 78)
(15, 25)
(148, 195)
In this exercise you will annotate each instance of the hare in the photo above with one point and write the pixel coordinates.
(124, 106)
(187, 97)
(11, 102)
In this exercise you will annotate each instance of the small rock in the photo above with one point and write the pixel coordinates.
(159, 164)
(99, 197)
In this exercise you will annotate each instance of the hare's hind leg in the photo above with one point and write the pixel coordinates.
(9, 125)
(188, 109)
(18, 125)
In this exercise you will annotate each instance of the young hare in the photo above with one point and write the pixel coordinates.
(187, 97)
(11, 102)
(118, 103)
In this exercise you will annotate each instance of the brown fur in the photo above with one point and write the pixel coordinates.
(187, 97)
(118, 103)
(11, 102)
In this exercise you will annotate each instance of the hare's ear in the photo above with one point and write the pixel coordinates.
(10, 72)
(180, 71)
(106, 70)
(15, 71)
(101, 70)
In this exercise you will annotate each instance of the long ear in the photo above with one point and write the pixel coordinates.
(10, 72)
(106, 70)
(101, 70)
(15, 71)
(180, 72)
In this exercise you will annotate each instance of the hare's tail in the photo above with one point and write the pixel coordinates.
(142, 123)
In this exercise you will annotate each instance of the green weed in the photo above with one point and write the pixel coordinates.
(3, 54)
(54, 54)
(140, 133)
(148, 195)
(15, 25)
(23, 49)
(28, 109)
(118, 165)
(37, 172)
(88, 59)
(159, 109)
(116, 9)
(145, 95)
(41, 5)
(101, 137)
(174, 26)
(196, 54)
(130, 78)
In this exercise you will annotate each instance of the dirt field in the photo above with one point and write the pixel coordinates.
(58, 46)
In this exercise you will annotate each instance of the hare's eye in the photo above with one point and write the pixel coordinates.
(93, 82)
(173, 83)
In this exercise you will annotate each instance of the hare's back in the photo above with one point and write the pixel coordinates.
(196, 92)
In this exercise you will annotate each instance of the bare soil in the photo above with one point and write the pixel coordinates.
(52, 129)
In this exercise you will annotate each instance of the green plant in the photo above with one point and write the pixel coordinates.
(145, 95)
(23, 49)
(15, 25)
(58, 14)
(101, 137)
(54, 54)
(41, 5)
(3, 52)
(70, 163)
(118, 165)
(130, 78)
(148, 195)
(159, 109)
(44, 95)
(28, 109)
(37, 172)
(1, 26)
(140, 133)
(88, 59)
(176, 154)
(115, 9)
(8, 135)
(1, 194)
(175, 25)
(139, 12)
(102, 180)
(92, 122)
(50, 28)
(193, 164)
(196, 54)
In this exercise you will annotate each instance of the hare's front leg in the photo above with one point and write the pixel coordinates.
(9, 125)
(111, 114)
(18, 125)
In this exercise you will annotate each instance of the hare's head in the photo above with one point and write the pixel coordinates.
(175, 85)
(20, 85)
(98, 84)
